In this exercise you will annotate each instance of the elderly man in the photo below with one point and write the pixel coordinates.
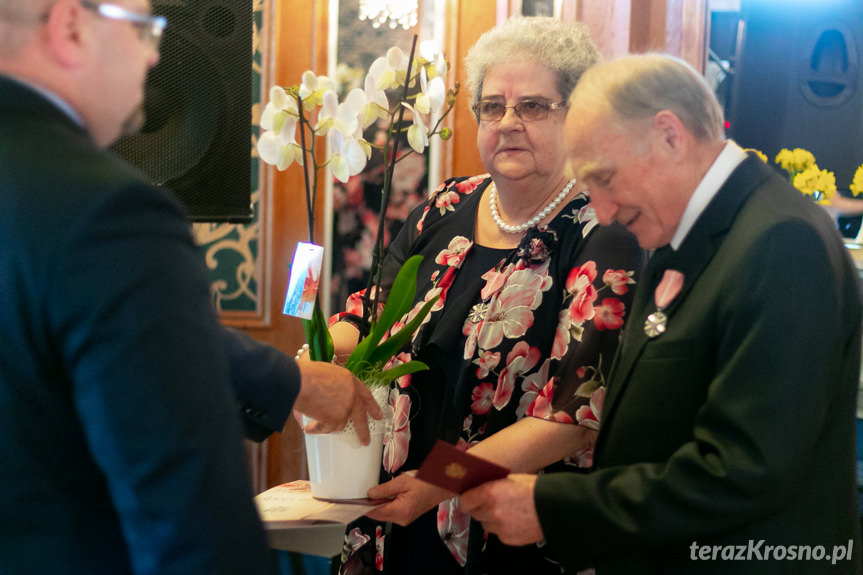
(727, 438)
(120, 439)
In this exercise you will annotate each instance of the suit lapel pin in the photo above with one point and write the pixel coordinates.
(666, 291)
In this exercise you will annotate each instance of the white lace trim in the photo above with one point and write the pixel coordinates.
(381, 394)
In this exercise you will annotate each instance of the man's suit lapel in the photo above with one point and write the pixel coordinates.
(694, 255)
(634, 337)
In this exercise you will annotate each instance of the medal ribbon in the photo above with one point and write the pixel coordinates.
(666, 291)
(668, 288)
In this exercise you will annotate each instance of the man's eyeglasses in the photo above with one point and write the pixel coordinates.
(150, 28)
(527, 110)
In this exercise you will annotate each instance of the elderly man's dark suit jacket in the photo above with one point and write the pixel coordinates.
(737, 424)
(120, 441)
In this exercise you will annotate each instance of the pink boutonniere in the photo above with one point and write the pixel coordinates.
(666, 291)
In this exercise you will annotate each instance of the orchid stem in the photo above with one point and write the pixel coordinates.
(310, 198)
(315, 328)
(370, 311)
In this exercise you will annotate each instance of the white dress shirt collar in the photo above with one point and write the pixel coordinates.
(728, 159)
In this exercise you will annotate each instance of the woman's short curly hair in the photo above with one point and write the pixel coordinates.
(563, 47)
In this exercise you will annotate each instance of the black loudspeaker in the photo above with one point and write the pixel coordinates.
(798, 82)
(196, 139)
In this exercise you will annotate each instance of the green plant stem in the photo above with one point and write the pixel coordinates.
(318, 336)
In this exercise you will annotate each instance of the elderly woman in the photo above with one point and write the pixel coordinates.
(532, 295)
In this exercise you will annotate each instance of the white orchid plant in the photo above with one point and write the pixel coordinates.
(417, 86)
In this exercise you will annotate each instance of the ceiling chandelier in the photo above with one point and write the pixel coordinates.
(399, 13)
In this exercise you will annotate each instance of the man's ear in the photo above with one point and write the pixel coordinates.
(67, 29)
(671, 132)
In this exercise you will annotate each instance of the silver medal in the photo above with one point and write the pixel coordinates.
(654, 325)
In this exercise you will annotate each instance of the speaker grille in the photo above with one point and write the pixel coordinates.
(197, 134)
(798, 82)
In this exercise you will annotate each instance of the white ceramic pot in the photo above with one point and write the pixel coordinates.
(340, 467)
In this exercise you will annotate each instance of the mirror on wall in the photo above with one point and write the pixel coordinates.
(355, 205)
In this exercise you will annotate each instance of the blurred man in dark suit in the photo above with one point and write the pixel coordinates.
(120, 438)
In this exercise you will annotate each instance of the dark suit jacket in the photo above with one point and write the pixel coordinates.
(737, 423)
(120, 442)
(265, 381)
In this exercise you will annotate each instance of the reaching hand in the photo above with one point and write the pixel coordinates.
(331, 396)
(411, 497)
(506, 508)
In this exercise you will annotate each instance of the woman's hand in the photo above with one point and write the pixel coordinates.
(345, 338)
(410, 498)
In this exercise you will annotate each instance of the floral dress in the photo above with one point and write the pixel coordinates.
(528, 331)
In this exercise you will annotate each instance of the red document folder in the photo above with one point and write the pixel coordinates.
(455, 470)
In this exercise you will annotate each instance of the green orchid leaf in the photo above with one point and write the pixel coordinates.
(359, 355)
(374, 376)
(393, 373)
(398, 303)
(396, 342)
(401, 296)
(318, 336)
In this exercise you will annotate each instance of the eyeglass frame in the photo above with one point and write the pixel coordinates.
(150, 27)
(547, 106)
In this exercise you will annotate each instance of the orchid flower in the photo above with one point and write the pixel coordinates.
(278, 110)
(348, 157)
(363, 113)
(327, 113)
(441, 66)
(432, 95)
(369, 104)
(390, 71)
(438, 67)
(418, 134)
(313, 88)
(341, 117)
(280, 147)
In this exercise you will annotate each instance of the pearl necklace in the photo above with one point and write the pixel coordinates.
(505, 227)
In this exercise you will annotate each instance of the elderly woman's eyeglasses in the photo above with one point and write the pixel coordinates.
(150, 28)
(492, 110)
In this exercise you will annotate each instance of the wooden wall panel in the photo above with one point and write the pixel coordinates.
(687, 31)
(467, 21)
(650, 34)
(608, 23)
(618, 27)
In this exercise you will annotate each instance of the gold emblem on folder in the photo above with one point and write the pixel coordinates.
(455, 471)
